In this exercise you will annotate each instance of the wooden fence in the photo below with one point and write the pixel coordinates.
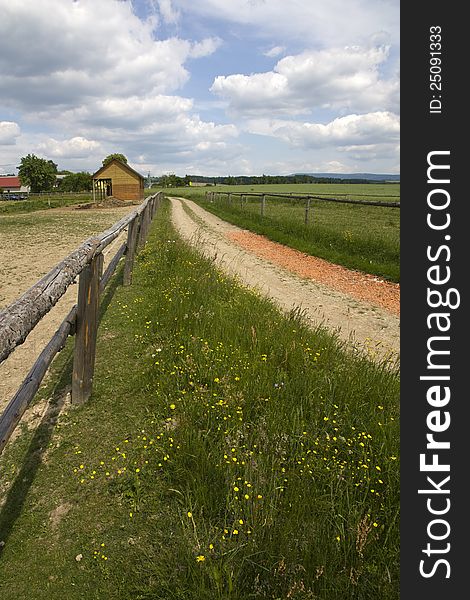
(213, 196)
(20, 318)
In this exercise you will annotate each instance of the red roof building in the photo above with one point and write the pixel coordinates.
(12, 184)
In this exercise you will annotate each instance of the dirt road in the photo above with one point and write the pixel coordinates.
(362, 309)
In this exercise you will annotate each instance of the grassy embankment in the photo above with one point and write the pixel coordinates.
(227, 453)
(366, 238)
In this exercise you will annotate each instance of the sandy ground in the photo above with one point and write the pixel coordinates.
(25, 258)
(362, 309)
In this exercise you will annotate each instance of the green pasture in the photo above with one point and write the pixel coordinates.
(385, 191)
(362, 237)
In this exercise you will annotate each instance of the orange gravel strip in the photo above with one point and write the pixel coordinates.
(368, 288)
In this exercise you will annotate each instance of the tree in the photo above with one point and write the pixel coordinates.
(117, 156)
(171, 180)
(38, 173)
(76, 182)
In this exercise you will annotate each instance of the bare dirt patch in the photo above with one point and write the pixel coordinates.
(58, 513)
(363, 310)
(31, 244)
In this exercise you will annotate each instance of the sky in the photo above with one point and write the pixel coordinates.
(202, 87)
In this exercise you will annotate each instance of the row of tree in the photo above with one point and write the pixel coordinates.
(172, 180)
(266, 179)
(41, 175)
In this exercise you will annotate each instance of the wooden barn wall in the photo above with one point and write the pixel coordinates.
(126, 191)
(126, 186)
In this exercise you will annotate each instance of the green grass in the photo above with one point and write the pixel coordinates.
(227, 452)
(365, 238)
(385, 191)
(9, 207)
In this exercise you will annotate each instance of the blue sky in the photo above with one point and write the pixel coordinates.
(210, 87)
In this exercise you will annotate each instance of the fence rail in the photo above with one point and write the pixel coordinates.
(19, 318)
(213, 196)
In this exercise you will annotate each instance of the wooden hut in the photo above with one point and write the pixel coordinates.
(119, 180)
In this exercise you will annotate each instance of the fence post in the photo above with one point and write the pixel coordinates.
(307, 210)
(263, 204)
(143, 227)
(229, 198)
(87, 325)
(130, 254)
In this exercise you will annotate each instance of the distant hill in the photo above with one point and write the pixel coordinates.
(368, 176)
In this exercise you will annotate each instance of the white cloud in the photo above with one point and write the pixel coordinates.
(156, 121)
(167, 11)
(205, 48)
(332, 22)
(346, 78)
(157, 131)
(74, 51)
(349, 132)
(9, 131)
(130, 112)
(275, 51)
(76, 147)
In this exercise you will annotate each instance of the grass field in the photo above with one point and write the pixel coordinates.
(386, 191)
(366, 238)
(227, 452)
(42, 203)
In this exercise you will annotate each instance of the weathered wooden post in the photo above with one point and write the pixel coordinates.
(263, 204)
(229, 198)
(144, 219)
(156, 204)
(149, 217)
(87, 326)
(307, 210)
(131, 248)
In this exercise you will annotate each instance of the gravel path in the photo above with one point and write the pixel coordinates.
(362, 309)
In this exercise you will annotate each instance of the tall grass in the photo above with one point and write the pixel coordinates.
(366, 238)
(228, 452)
